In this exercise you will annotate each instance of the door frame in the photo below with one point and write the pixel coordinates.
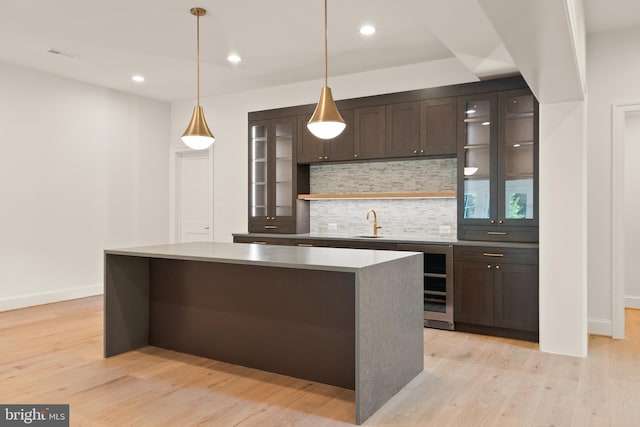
(175, 155)
(618, 120)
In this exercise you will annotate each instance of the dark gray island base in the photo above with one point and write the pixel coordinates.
(345, 317)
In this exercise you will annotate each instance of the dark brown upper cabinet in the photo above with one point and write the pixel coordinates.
(369, 129)
(498, 166)
(412, 124)
(403, 130)
(438, 127)
(315, 150)
(274, 178)
(426, 128)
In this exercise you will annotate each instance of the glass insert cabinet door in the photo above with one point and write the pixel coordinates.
(271, 169)
(478, 118)
(518, 149)
(258, 167)
(283, 169)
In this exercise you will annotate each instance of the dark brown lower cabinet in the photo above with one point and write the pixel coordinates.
(262, 240)
(473, 293)
(496, 291)
(516, 297)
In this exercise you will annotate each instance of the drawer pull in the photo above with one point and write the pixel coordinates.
(497, 233)
(270, 227)
(493, 255)
(259, 243)
(305, 244)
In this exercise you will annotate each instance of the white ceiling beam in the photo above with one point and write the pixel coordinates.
(464, 29)
(545, 38)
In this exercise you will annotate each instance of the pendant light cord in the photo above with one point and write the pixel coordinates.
(325, 45)
(198, 53)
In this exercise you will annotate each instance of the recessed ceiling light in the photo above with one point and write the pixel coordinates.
(233, 58)
(367, 30)
(137, 79)
(470, 111)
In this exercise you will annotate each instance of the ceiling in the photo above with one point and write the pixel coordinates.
(280, 41)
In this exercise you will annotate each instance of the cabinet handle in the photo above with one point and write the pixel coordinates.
(492, 254)
(501, 222)
(493, 221)
(415, 151)
(497, 267)
(259, 243)
(305, 244)
(488, 265)
(421, 151)
(320, 158)
(497, 233)
(270, 227)
(355, 156)
(326, 157)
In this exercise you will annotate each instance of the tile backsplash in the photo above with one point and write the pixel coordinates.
(397, 216)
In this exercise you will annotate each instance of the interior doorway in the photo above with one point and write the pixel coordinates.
(191, 195)
(625, 202)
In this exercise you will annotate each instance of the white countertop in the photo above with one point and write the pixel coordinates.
(312, 258)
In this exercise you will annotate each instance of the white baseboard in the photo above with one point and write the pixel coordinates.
(631, 301)
(28, 300)
(600, 327)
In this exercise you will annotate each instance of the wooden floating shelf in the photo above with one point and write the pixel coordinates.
(414, 195)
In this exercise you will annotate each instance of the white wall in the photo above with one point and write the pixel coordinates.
(227, 118)
(82, 168)
(631, 209)
(612, 78)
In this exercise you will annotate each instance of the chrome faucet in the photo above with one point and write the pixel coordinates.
(375, 222)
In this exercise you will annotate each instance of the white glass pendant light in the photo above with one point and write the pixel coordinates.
(326, 122)
(197, 136)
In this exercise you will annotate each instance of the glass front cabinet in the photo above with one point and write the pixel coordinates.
(498, 166)
(273, 203)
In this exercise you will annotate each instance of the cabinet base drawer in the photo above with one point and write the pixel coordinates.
(492, 254)
(498, 233)
(262, 240)
(272, 228)
(497, 332)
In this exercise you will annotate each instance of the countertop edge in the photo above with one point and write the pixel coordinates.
(392, 239)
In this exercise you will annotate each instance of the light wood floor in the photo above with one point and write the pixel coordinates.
(53, 354)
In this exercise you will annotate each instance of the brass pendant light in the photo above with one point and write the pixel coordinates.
(326, 122)
(197, 136)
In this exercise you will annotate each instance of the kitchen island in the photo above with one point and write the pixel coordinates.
(345, 317)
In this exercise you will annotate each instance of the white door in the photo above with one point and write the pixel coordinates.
(631, 209)
(194, 202)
